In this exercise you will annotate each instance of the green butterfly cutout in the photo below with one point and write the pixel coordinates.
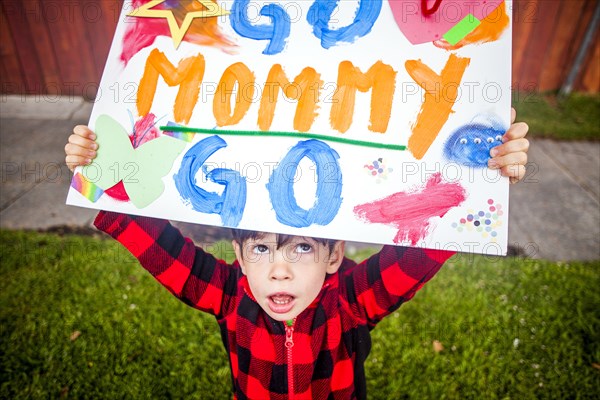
(140, 169)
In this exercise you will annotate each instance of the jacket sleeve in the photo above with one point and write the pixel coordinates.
(379, 285)
(192, 275)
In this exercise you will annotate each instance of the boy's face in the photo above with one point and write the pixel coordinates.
(286, 280)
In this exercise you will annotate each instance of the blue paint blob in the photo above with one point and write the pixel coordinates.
(470, 145)
(329, 185)
(320, 14)
(231, 203)
(276, 32)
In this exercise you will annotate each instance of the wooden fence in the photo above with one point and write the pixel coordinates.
(58, 47)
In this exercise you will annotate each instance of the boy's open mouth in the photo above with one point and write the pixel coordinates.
(281, 303)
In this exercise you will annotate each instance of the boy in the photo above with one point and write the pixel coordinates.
(294, 313)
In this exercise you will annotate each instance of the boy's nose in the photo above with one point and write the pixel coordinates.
(280, 269)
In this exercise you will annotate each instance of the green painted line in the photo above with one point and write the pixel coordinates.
(462, 29)
(226, 132)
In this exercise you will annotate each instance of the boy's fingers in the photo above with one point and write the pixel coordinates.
(84, 131)
(512, 146)
(73, 161)
(513, 115)
(515, 172)
(83, 142)
(76, 150)
(515, 158)
(517, 130)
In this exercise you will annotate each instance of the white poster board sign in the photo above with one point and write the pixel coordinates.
(369, 121)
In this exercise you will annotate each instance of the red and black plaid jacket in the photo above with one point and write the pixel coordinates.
(322, 355)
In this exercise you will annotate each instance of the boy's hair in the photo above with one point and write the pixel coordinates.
(241, 235)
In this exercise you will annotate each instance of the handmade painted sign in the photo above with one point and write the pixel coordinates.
(369, 121)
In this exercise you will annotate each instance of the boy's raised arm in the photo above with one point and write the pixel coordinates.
(192, 275)
(379, 285)
(382, 283)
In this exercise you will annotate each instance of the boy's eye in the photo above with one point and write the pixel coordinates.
(303, 248)
(260, 249)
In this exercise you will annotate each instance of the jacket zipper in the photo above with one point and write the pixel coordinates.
(289, 344)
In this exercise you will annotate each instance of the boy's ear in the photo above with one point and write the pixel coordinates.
(336, 257)
(238, 255)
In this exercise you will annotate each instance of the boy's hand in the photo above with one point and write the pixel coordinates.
(81, 148)
(511, 156)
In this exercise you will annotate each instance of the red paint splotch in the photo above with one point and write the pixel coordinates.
(144, 130)
(411, 212)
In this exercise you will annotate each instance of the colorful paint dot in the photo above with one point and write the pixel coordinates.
(470, 217)
(500, 213)
(487, 221)
(492, 208)
(479, 229)
(494, 234)
(481, 213)
(490, 201)
(499, 206)
(454, 224)
(460, 229)
(477, 223)
(380, 170)
(463, 221)
(488, 228)
(484, 235)
(374, 173)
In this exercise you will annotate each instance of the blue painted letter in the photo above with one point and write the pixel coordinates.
(229, 205)
(319, 16)
(329, 186)
(277, 32)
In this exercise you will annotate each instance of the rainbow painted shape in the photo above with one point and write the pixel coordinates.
(420, 28)
(88, 189)
(179, 134)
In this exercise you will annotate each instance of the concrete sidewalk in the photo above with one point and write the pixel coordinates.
(554, 211)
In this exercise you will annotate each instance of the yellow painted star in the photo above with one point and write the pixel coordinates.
(178, 32)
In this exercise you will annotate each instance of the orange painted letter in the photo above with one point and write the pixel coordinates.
(241, 74)
(441, 92)
(188, 75)
(381, 79)
(302, 89)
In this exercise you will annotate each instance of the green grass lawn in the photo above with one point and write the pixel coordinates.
(574, 118)
(80, 319)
